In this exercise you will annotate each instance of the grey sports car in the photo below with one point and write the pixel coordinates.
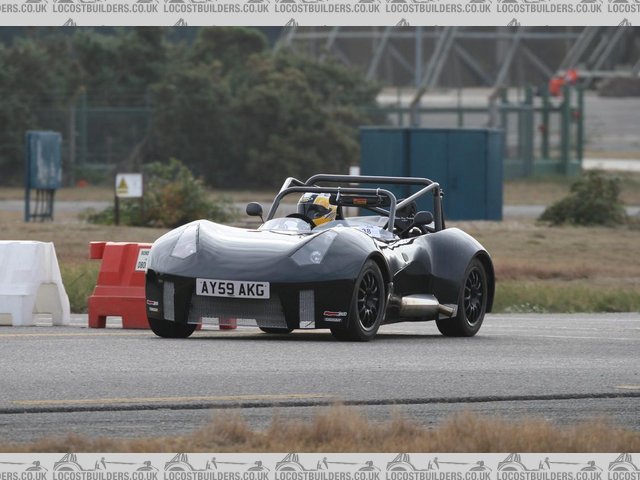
(350, 275)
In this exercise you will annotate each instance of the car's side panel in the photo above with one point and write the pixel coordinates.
(451, 251)
(435, 263)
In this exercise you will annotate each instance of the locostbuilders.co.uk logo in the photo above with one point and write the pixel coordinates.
(623, 6)
(25, 471)
(291, 468)
(68, 468)
(403, 468)
(548, 6)
(104, 6)
(181, 468)
(438, 6)
(513, 468)
(324, 6)
(214, 6)
(27, 6)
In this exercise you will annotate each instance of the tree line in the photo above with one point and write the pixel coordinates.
(226, 105)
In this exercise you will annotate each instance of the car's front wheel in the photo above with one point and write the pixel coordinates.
(367, 306)
(169, 329)
(472, 304)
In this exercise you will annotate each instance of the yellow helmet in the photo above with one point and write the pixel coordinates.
(316, 207)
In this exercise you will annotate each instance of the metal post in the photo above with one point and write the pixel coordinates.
(504, 99)
(116, 212)
(83, 119)
(546, 111)
(580, 127)
(565, 130)
(528, 131)
(418, 64)
(27, 179)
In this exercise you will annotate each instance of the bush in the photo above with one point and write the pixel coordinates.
(172, 197)
(593, 201)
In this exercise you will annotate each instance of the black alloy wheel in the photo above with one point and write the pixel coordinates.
(472, 304)
(367, 306)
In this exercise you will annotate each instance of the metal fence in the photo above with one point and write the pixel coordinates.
(96, 139)
(543, 135)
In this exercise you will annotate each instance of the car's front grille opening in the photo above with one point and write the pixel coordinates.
(168, 291)
(307, 309)
(265, 313)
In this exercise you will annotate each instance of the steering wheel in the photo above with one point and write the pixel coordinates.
(404, 229)
(302, 217)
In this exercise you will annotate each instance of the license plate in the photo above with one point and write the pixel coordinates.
(231, 288)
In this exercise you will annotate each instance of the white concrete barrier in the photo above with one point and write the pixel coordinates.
(30, 283)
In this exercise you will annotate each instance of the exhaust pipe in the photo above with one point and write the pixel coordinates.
(424, 306)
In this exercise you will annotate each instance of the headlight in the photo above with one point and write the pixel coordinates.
(313, 252)
(187, 243)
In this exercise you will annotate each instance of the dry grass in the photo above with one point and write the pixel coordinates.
(528, 251)
(341, 429)
(562, 269)
(520, 250)
(544, 191)
(92, 193)
(537, 267)
(532, 191)
(104, 193)
(71, 238)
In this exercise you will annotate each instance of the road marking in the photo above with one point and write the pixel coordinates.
(629, 387)
(116, 333)
(88, 334)
(92, 334)
(231, 398)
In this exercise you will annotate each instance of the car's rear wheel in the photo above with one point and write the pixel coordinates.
(169, 329)
(472, 304)
(276, 330)
(367, 306)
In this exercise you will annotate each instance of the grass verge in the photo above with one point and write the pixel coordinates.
(552, 296)
(549, 189)
(342, 429)
(538, 268)
(79, 280)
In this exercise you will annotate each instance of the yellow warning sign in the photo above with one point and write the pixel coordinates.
(129, 185)
(123, 189)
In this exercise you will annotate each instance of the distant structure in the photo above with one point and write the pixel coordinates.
(430, 57)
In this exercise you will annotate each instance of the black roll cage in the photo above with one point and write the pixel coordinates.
(293, 185)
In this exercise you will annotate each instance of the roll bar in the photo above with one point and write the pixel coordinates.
(338, 191)
(292, 184)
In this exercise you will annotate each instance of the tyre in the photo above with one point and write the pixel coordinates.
(367, 306)
(281, 331)
(168, 329)
(472, 304)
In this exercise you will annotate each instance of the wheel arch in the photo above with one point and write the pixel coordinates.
(382, 264)
(484, 258)
(450, 252)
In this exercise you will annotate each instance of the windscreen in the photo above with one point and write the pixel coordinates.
(286, 225)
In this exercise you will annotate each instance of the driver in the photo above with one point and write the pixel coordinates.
(317, 208)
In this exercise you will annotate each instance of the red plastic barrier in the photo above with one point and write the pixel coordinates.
(120, 288)
(121, 284)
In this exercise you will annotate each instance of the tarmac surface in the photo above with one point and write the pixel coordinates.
(129, 383)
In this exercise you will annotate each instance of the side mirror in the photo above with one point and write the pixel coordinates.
(254, 209)
(422, 218)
